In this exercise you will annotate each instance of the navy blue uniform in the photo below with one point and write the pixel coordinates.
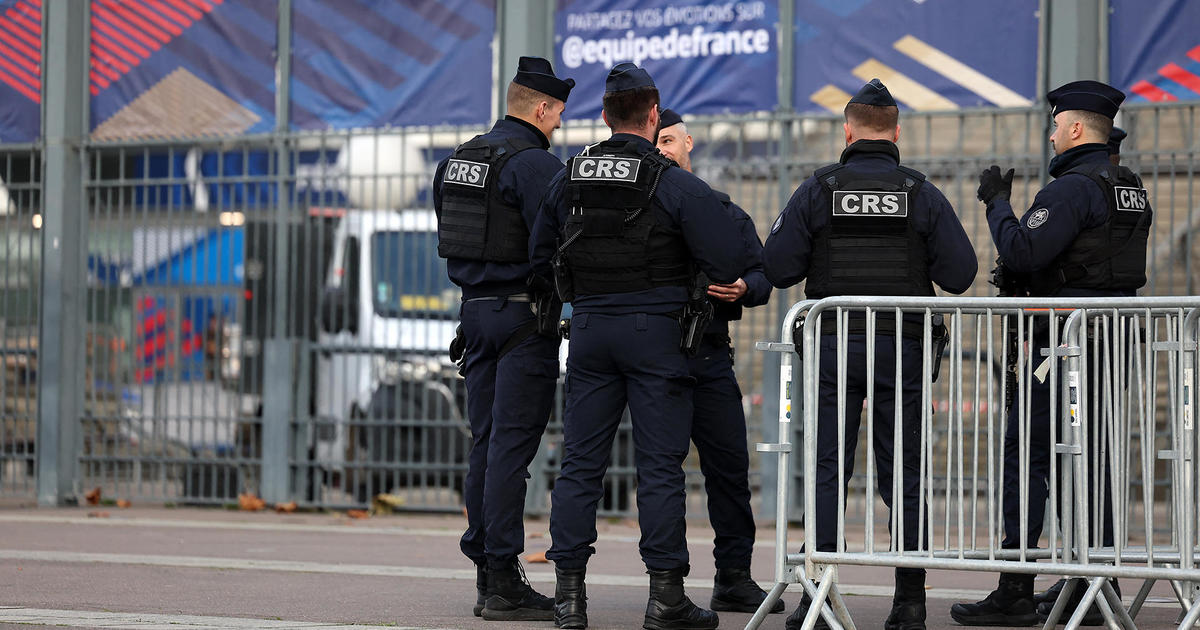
(624, 348)
(508, 397)
(1062, 210)
(719, 421)
(787, 259)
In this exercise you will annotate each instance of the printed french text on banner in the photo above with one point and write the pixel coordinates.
(705, 57)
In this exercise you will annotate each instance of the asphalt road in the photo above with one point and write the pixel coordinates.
(207, 568)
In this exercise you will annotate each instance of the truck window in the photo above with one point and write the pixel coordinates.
(408, 277)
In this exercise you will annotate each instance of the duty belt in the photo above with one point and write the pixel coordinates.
(519, 297)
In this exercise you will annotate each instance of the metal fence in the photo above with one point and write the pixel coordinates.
(266, 313)
(1116, 433)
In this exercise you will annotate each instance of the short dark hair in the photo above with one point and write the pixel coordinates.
(522, 99)
(630, 108)
(1099, 124)
(872, 117)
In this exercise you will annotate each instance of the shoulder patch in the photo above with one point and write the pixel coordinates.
(1037, 218)
(778, 223)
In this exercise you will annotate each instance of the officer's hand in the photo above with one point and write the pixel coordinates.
(993, 186)
(728, 292)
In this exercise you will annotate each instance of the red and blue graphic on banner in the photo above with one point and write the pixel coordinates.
(1154, 49)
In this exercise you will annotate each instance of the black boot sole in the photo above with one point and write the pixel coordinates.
(571, 624)
(725, 605)
(518, 614)
(1030, 619)
(677, 624)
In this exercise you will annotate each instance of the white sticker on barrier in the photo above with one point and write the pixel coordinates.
(1073, 393)
(1187, 399)
(785, 392)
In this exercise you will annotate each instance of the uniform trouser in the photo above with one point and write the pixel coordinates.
(616, 360)
(1037, 439)
(884, 406)
(719, 432)
(508, 404)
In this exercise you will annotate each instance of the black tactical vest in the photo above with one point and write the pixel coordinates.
(1111, 255)
(616, 243)
(869, 246)
(475, 223)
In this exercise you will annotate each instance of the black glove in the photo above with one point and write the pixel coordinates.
(992, 186)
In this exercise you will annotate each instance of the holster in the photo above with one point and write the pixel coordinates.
(696, 316)
(547, 308)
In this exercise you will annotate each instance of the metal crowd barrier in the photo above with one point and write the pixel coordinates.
(1120, 374)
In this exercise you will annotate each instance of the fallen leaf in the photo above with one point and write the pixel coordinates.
(387, 503)
(536, 557)
(97, 514)
(123, 503)
(93, 496)
(357, 513)
(285, 508)
(250, 503)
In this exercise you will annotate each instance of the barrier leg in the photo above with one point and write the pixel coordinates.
(1089, 597)
(817, 607)
(1189, 621)
(1060, 604)
(840, 610)
(1140, 598)
(1114, 601)
(765, 609)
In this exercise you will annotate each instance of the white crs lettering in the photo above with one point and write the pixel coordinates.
(1131, 199)
(863, 203)
(606, 168)
(467, 173)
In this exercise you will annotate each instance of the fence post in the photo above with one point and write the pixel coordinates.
(785, 41)
(522, 28)
(61, 336)
(279, 351)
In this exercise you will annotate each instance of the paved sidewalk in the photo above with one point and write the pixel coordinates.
(208, 568)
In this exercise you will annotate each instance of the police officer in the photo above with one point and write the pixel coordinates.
(486, 195)
(622, 229)
(718, 420)
(825, 236)
(1114, 145)
(1084, 235)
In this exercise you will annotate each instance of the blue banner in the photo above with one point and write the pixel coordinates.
(705, 57)
(1154, 49)
(20, 70)
(372, 63)
(932, 54)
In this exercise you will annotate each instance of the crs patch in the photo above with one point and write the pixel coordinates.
(1131, 199)
(605, 168)
(466, 173)
(1037, 218)
(869, 203)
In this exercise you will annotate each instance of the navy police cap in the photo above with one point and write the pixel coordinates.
(1114, 140)
(669, 117)
(626, 76)
(874, 93)
(537, 74)
(1089, 96)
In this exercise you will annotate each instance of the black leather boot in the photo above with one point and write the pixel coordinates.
(1011, 604)
(481, 593)
(670, 609)
(570, 598)
(795, 620)
(908, 603)
(734, 590)
(510, 598)
(1091, 618)
(1050, 594)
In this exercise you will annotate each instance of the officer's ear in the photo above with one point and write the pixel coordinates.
(849, 136)
(688, 142)
(896, 136)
